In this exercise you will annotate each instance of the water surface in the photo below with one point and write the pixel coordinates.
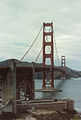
(71, 89)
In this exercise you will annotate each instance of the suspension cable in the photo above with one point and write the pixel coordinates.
(56, 48)
(38, 55)
(31, 45)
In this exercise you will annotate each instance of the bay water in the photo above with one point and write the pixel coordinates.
(71, 90)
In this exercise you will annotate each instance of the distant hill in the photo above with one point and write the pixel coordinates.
(70, 73)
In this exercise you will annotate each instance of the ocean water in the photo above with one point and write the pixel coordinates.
(71, 89)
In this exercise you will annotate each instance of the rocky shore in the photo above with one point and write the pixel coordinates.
(48, 115)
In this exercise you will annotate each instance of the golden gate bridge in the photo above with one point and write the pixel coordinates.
(48, 43)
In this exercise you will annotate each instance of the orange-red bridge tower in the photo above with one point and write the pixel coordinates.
(63, 64)
(48, 42)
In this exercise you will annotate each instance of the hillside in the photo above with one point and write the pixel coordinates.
(70, 73)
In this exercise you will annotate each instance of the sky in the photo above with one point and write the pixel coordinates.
(20, 21)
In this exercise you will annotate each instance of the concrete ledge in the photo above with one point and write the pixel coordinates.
(48, 90)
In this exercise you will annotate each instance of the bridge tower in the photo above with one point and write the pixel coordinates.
(48, 42)
(63, 64)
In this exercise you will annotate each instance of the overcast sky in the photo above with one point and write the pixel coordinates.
(20, 21)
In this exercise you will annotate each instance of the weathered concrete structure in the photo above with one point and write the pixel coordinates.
(25, 82)
(8, 78)
(16, 81)
(54, 104)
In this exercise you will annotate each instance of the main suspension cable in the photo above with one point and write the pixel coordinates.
(38, 54)
(31, 45)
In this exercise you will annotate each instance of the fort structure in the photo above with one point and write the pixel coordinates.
(14, 83)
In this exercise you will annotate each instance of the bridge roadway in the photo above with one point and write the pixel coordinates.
(49, 68)
(37, 69)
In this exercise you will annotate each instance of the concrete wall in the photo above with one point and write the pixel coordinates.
(9, 85)
(60, 105)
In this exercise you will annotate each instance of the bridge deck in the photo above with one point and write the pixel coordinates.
(37, 69)
(42, 69)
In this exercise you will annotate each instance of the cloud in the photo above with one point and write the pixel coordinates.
(20, 21)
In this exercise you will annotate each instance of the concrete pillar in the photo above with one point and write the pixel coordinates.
(30, 87)
(33, 79)
(9, 86)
